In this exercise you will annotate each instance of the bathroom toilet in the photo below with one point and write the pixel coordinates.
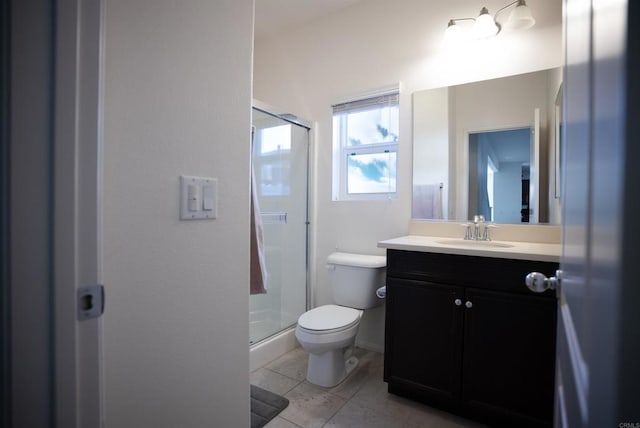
(328, 332)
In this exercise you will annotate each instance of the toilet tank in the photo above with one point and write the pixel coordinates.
(354, 279)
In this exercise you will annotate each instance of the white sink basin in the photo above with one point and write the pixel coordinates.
(470, 243)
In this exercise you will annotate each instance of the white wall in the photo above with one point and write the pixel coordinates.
(370, 45)
(431, 159)
(177, 101)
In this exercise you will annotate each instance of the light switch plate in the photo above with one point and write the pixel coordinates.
(206, 196)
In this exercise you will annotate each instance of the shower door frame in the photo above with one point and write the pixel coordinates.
(294, 120)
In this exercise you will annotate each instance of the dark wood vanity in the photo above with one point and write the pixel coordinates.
(464, 333)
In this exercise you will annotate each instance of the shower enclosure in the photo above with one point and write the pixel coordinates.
(280, 162)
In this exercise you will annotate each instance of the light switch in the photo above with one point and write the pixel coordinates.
(198, 198)
(192, 195)
(207, 197)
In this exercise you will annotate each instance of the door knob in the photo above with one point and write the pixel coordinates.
(539, 283)
(468, 304)
(458, 302)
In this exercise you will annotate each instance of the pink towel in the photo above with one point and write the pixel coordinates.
(258, 269)
(427, 201)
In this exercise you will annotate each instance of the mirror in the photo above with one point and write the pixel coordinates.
(487, 148)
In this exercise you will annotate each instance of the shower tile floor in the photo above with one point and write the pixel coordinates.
(361, 400)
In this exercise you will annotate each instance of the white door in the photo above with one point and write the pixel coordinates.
(591, 340)
(77, 210)
(53, 210)
(572, 368)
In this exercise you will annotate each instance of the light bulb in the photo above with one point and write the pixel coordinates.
(453, 35)
(520, 18)
(484, 26)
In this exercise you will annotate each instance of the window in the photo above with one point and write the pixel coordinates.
(365, 142)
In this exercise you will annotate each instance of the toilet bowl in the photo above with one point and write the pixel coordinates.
(328, 332)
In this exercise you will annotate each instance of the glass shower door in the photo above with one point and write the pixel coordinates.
(280, 166)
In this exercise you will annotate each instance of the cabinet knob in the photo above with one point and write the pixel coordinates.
(468, 304)
(458, 302)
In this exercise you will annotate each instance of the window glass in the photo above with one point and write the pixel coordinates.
(379, 125)
(371, 173)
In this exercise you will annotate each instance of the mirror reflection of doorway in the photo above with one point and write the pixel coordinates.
(499, 164)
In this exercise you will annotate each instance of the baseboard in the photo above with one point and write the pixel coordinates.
(369, 346)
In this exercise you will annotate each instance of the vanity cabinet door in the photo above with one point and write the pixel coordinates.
(508, 357)
(423, 340)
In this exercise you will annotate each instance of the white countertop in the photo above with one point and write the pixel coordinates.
(497, 249)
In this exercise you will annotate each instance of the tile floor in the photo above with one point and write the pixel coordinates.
(361, 400)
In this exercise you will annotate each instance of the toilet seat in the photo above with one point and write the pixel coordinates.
(329, 319)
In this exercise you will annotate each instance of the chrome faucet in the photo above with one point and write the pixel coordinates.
(479, 223)
(478, 220)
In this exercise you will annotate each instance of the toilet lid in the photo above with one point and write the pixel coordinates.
(329, 317)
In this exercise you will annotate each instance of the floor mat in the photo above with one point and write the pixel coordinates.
(265, 405)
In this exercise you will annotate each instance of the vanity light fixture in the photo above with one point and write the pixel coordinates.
(485, 25)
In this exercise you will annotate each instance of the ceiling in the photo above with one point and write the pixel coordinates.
(274, 15)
